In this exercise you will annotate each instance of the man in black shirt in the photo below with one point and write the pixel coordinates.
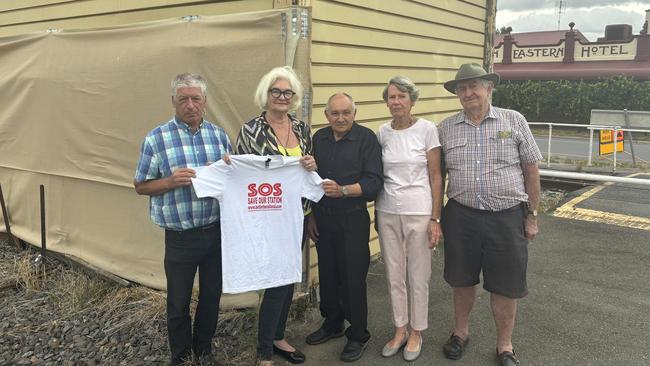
(349, 159)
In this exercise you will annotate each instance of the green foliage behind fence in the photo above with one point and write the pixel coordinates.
(571, 101)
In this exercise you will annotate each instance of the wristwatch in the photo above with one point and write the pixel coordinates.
(531, 212)
(344, 191)
(436, 220)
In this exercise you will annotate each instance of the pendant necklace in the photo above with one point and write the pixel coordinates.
(286, 141)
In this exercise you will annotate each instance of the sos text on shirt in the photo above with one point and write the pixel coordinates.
(264, 197)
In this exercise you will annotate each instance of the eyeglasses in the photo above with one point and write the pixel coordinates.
(276, 93)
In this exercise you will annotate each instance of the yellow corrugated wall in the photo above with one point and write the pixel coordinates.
(358, 45)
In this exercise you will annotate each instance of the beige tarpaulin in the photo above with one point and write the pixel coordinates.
(77, 104)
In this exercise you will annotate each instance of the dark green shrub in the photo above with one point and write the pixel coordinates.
(571, 101)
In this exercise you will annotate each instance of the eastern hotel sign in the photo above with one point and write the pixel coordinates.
(581, 52)
(568, 55)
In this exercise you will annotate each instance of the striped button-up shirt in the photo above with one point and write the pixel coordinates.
(256, 137)
(484, 162)
(172, 146)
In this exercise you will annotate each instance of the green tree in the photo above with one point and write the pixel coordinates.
(571, 101)
(504, 30)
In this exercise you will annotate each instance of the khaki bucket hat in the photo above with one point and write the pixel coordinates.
(470, 71)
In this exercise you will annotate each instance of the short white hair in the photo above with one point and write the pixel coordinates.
(403, 84)
(279, 73)
(189, 80)
(329, 100)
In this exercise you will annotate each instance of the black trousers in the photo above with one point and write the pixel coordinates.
(343, 261)
(185, 252)
(274, 311)
(273, 315)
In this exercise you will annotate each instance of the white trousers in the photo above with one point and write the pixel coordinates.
(404, 242)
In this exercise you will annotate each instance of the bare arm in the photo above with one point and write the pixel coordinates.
(435, 180)
(532, 187)
(180, 177)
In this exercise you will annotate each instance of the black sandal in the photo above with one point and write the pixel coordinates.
(507, 358)
(454, 347)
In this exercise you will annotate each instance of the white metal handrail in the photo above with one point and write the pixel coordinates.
(592, 177)
(591, 129)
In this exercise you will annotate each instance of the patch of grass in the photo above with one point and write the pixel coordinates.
(596, 162)
(73, 291)
(538, 130)
(135, 307)
(29, 276)
(550, 199)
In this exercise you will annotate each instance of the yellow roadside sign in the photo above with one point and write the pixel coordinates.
(606, 145)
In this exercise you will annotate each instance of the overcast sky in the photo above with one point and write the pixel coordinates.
(590, 16)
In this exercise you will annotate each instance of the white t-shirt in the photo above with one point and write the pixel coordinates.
(261, 217)
(406, 177)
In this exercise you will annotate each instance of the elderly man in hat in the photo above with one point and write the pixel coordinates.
(491, 160)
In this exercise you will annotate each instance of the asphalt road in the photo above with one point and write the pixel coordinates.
(578, 148)
(589, 300)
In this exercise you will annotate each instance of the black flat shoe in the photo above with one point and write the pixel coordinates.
(323, 335)
(292, 357)
(353, 350)
(454, 347)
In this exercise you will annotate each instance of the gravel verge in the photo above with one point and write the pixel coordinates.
(54, 315)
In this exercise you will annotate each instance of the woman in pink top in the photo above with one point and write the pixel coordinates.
(408, 214)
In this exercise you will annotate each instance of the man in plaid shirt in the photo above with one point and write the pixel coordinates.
(192, 231)
(491, 160)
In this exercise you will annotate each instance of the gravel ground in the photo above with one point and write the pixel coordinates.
(60, 316)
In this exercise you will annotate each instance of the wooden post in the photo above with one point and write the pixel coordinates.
(5, 215)
(490, 18)
(43, 229)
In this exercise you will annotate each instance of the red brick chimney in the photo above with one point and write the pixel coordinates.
(643, 41)
(569, 44)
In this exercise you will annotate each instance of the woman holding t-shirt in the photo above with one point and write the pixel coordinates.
(276, 132)
(408, 214)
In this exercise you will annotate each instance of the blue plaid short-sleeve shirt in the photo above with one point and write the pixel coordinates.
(172, 146)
